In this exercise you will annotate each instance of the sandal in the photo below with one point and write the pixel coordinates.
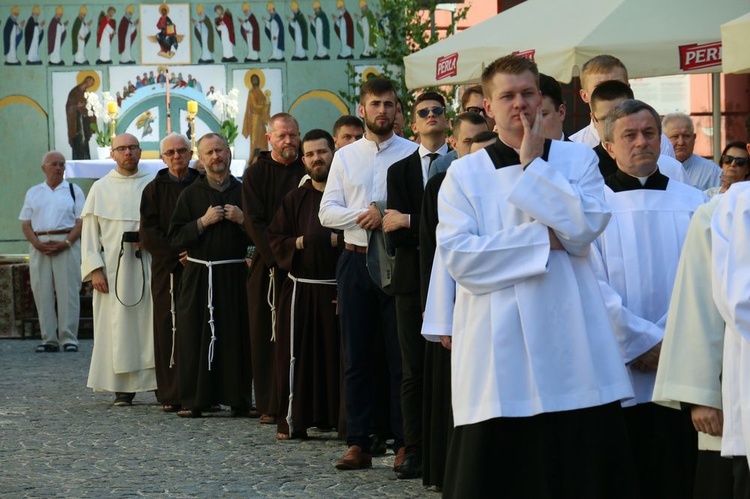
(189, 413)
(70, 347)
(171, 407)
(46, 347)
(267, 419)
(297, 435)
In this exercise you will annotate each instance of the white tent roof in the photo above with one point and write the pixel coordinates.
(735, 39)
(651, 37)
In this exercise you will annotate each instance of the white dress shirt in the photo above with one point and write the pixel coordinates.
(52, 209)
(357, 179)
(424, 154)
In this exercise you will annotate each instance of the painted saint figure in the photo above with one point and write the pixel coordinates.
(126, 34)
(204, 32)
(78, 119)
(56, 37)
(251, 33)
(12, 34)
(81, 35)
(275, 33)
(257, 114)
(367, 29)
(167, 35)
(34, 33)
(344, 28)
(225, 28)
(321, 30)
(298, 30)
(104, 35)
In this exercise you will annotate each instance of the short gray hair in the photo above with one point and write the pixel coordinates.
(211, 135)
(627, 108)
(172, 135)
(678, 117)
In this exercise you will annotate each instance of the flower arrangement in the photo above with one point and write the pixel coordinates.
(226, 107)
(98, 109)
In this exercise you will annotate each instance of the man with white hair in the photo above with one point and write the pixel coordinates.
(157, 205)
(680, 131)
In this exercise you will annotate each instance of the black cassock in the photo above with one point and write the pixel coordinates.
(157, 204)
(228, 381)
(437, 415)
(316, 326)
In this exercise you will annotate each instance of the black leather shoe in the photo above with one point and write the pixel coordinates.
(412, 468)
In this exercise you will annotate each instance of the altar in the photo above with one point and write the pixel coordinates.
(98, 168)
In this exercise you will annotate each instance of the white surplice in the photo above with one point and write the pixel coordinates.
(530, 331)
(123, 356)
(636, 262)
(730, 279)
(691, 353)
(105, 44)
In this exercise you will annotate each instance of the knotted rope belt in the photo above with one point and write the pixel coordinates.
(210, 264)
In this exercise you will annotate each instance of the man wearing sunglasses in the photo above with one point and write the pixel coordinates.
(157, 205)
(111, 258)
(406, 181)
(680, 131)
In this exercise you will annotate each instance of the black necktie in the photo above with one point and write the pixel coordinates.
(433, 156)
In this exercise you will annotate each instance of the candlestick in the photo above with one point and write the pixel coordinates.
(192, 111)
(112, 112)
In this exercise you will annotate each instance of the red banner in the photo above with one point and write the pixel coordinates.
(447, 66)
(700, 56)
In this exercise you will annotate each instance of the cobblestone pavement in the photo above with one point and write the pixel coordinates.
(59, 439)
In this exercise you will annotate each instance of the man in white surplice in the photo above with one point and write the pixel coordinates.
(535, 364)
(636, 261)
(120, 271)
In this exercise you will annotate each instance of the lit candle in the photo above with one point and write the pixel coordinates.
(192, 107)
(112, 107)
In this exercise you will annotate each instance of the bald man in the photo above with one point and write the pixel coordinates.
(120, 271)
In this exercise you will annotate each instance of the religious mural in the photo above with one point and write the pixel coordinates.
(132, 33)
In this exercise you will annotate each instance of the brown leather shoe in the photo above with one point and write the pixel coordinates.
(400, 456)
(354, 459)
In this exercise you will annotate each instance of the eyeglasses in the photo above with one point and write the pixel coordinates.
(473, 109)
(126, 148)
(425, 112)
(726, 159)
(171, 152)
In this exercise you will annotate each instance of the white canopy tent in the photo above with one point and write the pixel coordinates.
(651, 37)
(735, 41)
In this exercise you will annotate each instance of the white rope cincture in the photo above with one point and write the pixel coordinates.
(172, 310)
(292, 358)
(210, 266)
(271, 299)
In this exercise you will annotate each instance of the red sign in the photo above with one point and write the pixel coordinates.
(527, 54)
(447, 66)
(700, 56)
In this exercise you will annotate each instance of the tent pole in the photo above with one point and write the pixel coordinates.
(716, 105)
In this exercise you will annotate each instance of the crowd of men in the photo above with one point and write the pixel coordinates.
(510, 307)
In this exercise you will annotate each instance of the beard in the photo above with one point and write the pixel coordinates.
(318, 175)
(289, 153)
(377, 129)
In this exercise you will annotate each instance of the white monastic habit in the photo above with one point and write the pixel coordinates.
(730, 280)
(704, 174)
(590, 137)
(55, 57)
(299, 51)
(636, 261)
(248, 26)
(127, 49)
(33, 55)
(227, 48)
(369, 50)
(105, 45)
(12, 56)
(691, 353)
(273, 27)
(203, 29)
(322, 52)
(493, 237)
(123, 356)
(346, 50)
(80, 56)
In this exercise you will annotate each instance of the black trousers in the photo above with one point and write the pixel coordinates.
(409, 318)
(578, 454)
(664, 445)
(363, 310)
(714, 478)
